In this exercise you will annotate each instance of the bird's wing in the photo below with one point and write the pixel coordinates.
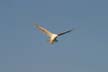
(65, 32)
(48, 33)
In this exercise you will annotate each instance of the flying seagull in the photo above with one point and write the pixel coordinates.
(52, 36)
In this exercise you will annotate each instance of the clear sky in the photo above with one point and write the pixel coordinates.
(25, 49)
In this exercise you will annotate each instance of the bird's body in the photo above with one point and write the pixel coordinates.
(52, 36)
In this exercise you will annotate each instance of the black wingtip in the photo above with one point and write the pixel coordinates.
(36, 25)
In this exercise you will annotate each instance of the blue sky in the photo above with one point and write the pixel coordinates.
(25, 49)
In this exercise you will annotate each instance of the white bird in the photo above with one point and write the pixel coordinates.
(52, 36)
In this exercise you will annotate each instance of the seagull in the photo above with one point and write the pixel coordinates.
(52, 36)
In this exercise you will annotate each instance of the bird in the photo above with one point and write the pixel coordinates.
(52, 36)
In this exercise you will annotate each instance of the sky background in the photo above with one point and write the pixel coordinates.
(23, 48)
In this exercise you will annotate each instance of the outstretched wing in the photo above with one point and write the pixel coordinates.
(65, 32)
(48, 33)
